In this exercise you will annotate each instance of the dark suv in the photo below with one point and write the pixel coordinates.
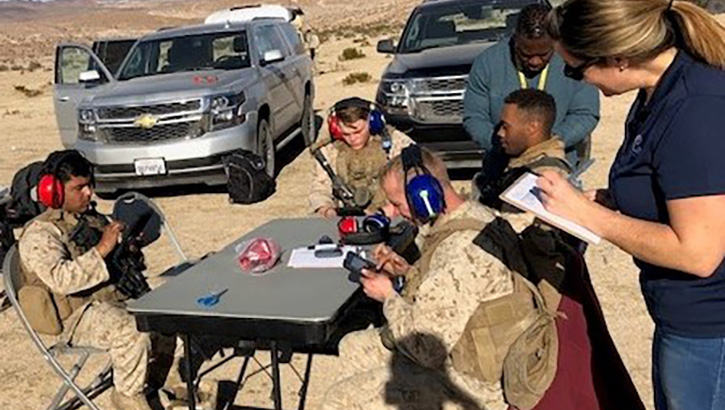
(422, 89)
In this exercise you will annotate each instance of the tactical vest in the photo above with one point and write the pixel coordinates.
(360, 169)
(504, 334)
(46, 311)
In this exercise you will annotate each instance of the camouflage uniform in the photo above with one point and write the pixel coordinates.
(97, 317)
(361, 168)
(419, 374)
(551, 148)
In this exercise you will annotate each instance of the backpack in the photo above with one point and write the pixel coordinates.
(542, 257)
(23, 207)
(539, 259)
(247, 181)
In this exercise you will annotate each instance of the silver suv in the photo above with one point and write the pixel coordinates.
(181, 99)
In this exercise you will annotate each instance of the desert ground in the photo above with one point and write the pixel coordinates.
(203, 219)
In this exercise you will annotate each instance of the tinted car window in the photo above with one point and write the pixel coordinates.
(267, 38)
(293, 38)
(73, 61)
(224, 51)
(443, 27)
(112, 52)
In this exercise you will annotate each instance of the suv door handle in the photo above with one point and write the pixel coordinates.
(64, 99)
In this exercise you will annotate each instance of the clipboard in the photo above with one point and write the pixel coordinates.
(522, 194)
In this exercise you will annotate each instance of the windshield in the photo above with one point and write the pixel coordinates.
(223, 51)
(461, 24)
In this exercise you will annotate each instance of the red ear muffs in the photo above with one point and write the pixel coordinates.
(333, 125)
(50, 191)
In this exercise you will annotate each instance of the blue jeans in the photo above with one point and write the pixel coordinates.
(688, 374)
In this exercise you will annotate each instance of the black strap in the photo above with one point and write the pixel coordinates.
(500, 240)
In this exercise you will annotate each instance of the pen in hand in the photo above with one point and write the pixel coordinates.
(574, 176)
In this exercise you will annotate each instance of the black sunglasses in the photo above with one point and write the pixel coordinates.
(577, 73)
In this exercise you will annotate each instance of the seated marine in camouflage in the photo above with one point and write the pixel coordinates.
(526, 143)
(356, 144)
(67, 287)
(446, 333)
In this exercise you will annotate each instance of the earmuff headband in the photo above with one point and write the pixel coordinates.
(376, 119)
(423, 192)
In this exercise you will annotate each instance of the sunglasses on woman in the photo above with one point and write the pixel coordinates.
(577, 73)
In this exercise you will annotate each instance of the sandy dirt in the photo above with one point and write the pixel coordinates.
(204, 220)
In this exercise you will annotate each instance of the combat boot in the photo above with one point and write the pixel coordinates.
(123, 402)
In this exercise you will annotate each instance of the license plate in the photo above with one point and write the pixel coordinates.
(150, 166)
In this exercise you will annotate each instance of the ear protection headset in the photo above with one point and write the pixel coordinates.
(423, 191)
(373, 229)
(376, 119)
(50, 189)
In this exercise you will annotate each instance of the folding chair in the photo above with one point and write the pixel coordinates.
(13, 283)
(83, 395)
(165, 226)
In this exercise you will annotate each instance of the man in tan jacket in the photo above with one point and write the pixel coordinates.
(525, 142)
(419, 361)
(83, 306)
(357, 145)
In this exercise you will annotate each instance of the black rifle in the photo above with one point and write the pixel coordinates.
(340, 189)
(126, 262)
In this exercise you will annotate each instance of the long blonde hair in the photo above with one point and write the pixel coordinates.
(637, 29)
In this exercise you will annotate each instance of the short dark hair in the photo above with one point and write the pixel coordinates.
(532, 21)
(537, 103)
(68, 163)
(352, 109)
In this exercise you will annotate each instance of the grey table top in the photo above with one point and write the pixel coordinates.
(283, 293)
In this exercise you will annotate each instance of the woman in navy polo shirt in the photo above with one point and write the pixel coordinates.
(666, 200)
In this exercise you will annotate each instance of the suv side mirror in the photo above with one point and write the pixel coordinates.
(386, 46)
(272, 56)
(90, 76)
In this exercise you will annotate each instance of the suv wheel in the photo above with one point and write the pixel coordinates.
(265, 146)
(307, 124)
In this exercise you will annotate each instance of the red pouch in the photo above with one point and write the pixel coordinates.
(258, 255)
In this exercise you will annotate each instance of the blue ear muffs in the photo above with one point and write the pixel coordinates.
(423, 192)
(425, 197)
(376, 223)
(376, 122)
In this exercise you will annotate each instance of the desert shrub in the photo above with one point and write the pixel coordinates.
(28, 92)
(357, 77)
(34, 65)
(351, 53)
(4, 67)
(16, 67)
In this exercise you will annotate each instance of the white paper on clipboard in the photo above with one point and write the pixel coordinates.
(305, 258)
(522, 195)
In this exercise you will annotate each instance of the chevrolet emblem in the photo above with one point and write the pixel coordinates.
(145, 121)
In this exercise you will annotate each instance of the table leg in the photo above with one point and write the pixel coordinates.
(305, 383)
(191, 394)
(238, 384)
(276, 383)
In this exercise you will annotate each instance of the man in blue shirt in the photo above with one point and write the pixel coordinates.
(527, 60)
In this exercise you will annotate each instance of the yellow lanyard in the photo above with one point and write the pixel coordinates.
(542, 79)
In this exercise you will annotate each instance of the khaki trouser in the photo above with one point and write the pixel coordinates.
(371, 377)
(112, 328)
